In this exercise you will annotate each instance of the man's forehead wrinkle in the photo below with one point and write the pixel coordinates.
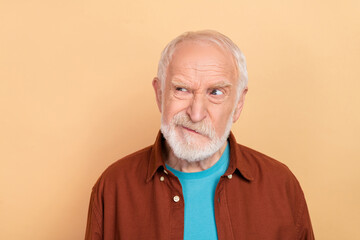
(211, 70)
(211, 65)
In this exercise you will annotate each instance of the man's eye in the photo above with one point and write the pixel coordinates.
(216, 92)
(180, 89)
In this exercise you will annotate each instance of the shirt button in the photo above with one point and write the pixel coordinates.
(162, 178)
(176, 198)
(165, 171)
(229, 176)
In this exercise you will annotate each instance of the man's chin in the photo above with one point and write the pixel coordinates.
(188, 144)
(193, 145)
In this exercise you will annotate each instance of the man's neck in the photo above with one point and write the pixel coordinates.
(185, 166)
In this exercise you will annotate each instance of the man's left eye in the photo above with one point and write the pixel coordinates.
(216, 92)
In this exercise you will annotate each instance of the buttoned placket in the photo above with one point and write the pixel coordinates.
(222, 216)
(176, 204)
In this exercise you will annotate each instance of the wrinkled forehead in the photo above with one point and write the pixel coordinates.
(202, 56)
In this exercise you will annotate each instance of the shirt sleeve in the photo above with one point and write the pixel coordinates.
(94, 227)
(305, 231)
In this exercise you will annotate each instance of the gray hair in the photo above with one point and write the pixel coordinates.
(208, 36)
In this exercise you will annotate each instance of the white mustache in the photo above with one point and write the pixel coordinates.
(203, 127)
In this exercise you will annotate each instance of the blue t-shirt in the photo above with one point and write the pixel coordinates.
(199, 193)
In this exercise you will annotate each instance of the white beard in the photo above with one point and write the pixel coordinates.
(187, 148)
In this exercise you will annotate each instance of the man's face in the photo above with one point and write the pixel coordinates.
(198, 101)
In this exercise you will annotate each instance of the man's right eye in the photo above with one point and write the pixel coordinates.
(181, 89)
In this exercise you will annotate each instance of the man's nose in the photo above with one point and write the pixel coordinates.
(197, 108)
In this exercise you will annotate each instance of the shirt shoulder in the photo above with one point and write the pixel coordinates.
(263, 166)
(132, 167)
(274, 181)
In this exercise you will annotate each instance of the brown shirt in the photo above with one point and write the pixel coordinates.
(258, 198)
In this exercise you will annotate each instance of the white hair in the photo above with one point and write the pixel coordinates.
(207, 36)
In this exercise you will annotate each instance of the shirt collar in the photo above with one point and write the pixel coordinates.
(156, 157)
(237, 159)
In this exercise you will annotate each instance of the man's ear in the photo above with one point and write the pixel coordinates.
(158, 93)
(239, 105)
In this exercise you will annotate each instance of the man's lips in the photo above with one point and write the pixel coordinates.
(190, 130)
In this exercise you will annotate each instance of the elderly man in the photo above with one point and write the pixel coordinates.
(196, 182)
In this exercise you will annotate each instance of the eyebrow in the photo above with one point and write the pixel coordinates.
(179, 83)
(222, 84)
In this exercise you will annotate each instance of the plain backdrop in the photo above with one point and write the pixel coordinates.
(76, 95)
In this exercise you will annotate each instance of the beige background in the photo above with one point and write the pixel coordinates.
(76, 95)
